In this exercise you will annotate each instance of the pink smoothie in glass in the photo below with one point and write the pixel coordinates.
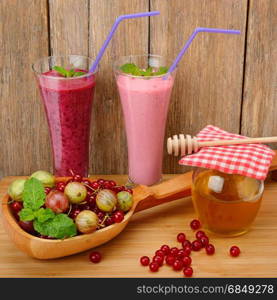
(145, 104)
(68, 103)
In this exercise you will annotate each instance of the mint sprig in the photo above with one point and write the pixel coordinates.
(33, 194)
(60, 227)
(133, 69)
(46, 222)
(68, 73)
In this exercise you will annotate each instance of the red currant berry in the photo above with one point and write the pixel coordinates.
(89, 192)
(86, 182)
(61, 186)
(178, 265)
(85, 207)
(160, 253)
(95, 185)
(187, 261)
(16, 215)
(95, 257)
(144, 260)
(204, 241)
(100, 181)
(119, 189)
(181, 254)
(170, 259)
(187, 250)
(165, 249)
(186, 243)
(27, 226)
(77, 178)
(109, 221)
(234, 251)
(196, 245)
(158, 259)
(200, 234)
(181, 237)
(210, 249)
(154, 267)
(195, 224)
(107, 185)
(112, 183)
(91, 200)
(47, 190)
(16, 206)
(174, 251)
(188, 271)
(118, 216)
(100, 215)
(74, 213)
(96, 210)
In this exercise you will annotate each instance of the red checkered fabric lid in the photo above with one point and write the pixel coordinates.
(252, 160)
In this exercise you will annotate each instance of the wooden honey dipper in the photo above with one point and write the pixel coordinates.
(187, 145)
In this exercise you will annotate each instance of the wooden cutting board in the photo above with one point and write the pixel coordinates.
(147, 231)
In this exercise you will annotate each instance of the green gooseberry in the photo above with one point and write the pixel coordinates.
(16, 188)
(124, 200)
(76, 192)
(46, 178)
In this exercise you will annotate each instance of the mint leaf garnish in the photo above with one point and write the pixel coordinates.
(147, 72)
(68, 73)
(79, 73)
(71, 73)
(45, 221)
(131, 68)
(60, 227)
(44, 214)
(61, 70)
(33, 194)
(26, 214)
(161, 71)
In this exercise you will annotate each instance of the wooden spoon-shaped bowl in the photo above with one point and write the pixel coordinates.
(144, 198)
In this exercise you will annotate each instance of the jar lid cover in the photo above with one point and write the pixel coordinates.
(252, 160)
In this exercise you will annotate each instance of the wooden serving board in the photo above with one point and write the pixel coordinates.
(146, 232)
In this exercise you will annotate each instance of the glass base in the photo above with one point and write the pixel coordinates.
(130, 184)
(227, 234)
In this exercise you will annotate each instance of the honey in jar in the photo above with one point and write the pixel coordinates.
(226, 204)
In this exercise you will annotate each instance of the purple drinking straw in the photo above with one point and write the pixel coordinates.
(115, 25)
(197, 30)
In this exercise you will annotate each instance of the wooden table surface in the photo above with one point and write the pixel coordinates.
(147, 231)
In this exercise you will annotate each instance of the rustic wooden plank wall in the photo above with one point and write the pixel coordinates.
(208, 85)
(259, 115)
(229, 81)
(23, 133)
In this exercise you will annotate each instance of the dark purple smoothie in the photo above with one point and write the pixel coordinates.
(68, 103)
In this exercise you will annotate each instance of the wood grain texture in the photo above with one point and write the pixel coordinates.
(208, 86)
(108, 152)
(208, 83)
(23, 134)
(260, 88)
(69, 27)
(143, 236)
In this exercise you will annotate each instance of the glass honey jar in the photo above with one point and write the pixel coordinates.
(226, 204)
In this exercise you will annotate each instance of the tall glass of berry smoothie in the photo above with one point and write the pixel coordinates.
(144, 87)
(67, 91)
